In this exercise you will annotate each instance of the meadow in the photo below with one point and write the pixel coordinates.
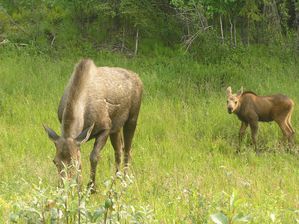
(183, 158)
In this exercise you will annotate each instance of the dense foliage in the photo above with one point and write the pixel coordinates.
(200, 26)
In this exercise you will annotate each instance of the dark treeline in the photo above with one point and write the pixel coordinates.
(130, 26)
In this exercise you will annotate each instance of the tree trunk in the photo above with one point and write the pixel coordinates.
(273, 24)
(221, 28)
(297, 25)
(136, 42)
(235, 34)
(248, 30)
(231, 31)
(116, 19)
(203, 20)
(123, 41)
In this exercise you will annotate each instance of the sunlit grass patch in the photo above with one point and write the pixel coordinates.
(183, 155)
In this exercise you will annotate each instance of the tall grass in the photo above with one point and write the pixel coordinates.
(184, 159)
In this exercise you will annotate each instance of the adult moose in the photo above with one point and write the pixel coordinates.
(251, 108)
(97, 102)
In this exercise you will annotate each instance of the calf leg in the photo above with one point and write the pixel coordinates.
(116, 141)
(286, 131)
(288, 120)
(282, 122)
(292, 131)
(254, 130)
(243, 127)
(94, 156)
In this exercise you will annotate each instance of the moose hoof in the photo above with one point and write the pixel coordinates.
(258, 152)
(91, 186)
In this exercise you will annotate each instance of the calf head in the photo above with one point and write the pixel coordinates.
(233, 100)
(68, 150)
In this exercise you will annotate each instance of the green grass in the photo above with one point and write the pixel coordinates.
(183, 150)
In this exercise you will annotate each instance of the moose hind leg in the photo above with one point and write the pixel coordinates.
(288, 121)
(291, 132)
(116, 141)
(288, 134)
(282, 123)
(128, 130)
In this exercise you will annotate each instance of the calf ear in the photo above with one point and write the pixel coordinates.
(84, 135)
(229, 91)
(240, 92)
(52, 134)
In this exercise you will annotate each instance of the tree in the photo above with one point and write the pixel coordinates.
(251, 12)
(192, 15)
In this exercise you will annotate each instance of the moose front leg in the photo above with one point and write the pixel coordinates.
(94, 157)
(243, 127)
(254, 129)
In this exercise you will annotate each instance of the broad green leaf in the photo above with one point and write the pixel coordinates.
(241, 218)
(219, 218)
(98, 213)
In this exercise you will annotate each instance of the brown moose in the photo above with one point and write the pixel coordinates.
(98, 102)
(251, 108)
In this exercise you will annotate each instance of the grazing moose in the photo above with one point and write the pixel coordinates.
(251, 109)
(98, 102)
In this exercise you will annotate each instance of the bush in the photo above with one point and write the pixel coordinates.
(69, 204)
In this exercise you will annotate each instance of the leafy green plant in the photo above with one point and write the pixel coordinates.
(70, 204)
(231, 214)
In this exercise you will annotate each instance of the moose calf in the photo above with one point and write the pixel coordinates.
(251, 108)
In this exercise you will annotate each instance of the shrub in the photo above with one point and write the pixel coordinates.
(70, 204)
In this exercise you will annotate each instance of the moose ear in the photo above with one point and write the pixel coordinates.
(240, 92)
(84, 135)
(52, 134)
(229, 91)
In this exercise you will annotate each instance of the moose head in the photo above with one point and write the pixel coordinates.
(68, 150)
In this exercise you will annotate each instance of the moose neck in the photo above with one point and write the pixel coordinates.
(238, 109)
(72, 121)
(73, 114)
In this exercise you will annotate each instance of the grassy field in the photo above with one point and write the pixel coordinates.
(184, 159)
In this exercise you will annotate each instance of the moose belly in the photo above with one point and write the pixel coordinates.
(118, 123)
(265, 119)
